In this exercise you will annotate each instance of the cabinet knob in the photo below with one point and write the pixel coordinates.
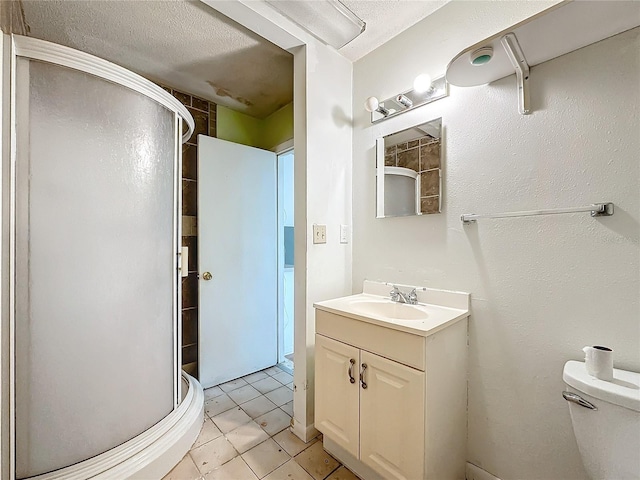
(352, 362)
(362, 382)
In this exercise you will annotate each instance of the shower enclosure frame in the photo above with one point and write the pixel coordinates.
(146, 452)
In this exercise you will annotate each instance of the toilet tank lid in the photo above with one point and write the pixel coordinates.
(624, 390)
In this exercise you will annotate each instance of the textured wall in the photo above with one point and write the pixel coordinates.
(542, 287)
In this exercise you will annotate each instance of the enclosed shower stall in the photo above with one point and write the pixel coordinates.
(91, 198)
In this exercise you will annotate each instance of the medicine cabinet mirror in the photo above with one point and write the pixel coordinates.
(408, 173)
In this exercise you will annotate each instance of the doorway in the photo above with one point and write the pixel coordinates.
(285, 259)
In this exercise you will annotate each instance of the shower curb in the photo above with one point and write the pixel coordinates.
(153, 453)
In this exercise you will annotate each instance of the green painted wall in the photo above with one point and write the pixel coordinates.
(278, 127)
(238, 127)
(264, 133)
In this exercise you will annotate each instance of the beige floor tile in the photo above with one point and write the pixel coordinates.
(292, 444)
(254, 377)
(289, 386)
(232, 385)
(274, 421)
(288, 407)
(231, 419)
(342, 474)
(289, 471)
(280, 396)
(247, 436)
(208, 432)
(265, 458)
(218, 405)
(316, 461)
(266, 385)
(258, 406)
(213, 454)
(212, 392)
(185, 470)
(283, 378)
(244, 394)
(272, 371)
(236, 469)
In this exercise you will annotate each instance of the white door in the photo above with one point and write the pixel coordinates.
(336, 392)
(392, 410)
(237, 246)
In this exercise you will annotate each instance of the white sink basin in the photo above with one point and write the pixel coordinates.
(389, 309)
(435, 310)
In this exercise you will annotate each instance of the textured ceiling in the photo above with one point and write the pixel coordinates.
(385, 19)
(184, 44)
(192, 47)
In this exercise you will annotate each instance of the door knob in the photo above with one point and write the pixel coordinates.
(207, 276)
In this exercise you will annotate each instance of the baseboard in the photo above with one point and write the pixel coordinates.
(306, 434)
(476, 473)
(356, 466)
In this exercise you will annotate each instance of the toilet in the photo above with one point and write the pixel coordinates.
(606, 421)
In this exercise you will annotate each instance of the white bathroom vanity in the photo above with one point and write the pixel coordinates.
(391, 382)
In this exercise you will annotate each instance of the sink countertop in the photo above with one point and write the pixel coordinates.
(438, 316)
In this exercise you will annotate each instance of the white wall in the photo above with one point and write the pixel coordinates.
(542, 287)
(322, 149)
(327, 179)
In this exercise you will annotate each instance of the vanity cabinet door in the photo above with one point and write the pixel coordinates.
(336, 397)
(392, 414)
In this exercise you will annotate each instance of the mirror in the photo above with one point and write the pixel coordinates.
(408, 171)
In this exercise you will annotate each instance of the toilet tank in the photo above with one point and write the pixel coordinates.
(609, 436)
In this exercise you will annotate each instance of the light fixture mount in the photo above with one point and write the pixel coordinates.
(405, 101)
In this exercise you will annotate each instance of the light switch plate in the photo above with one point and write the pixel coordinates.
(344, 233)
(319, 233)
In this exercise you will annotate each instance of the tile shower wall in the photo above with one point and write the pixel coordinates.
(422, 155)
(204, 114)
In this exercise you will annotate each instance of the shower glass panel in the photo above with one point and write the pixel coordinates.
(95, 265)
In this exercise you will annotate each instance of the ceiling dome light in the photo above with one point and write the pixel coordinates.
(371, 104)
(422, 83)
(481, 56)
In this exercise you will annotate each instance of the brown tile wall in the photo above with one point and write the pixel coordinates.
(204, 114)
(422, 155)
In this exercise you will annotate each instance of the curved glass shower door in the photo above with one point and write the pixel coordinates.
(96, 279)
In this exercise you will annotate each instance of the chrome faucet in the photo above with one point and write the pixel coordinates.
(397, 295)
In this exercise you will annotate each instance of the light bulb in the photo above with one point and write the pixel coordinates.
(422, 83)
(371, 104)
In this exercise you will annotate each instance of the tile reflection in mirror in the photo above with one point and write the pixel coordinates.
(409, 180)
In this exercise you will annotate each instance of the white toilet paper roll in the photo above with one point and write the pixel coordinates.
(599, 362)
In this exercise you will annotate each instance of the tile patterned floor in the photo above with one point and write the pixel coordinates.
(245, 436)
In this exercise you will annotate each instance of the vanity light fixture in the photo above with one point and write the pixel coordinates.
(404, 101)
(425, 90)
(372, 104)
(423, 83)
